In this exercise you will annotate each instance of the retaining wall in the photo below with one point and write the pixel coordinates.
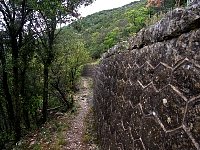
(148, 96)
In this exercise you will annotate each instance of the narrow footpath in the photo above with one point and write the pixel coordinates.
(67, 131)
(76, 133)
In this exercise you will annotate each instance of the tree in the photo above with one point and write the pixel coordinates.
(25, 56)
(22, 23)
(51, 13)
(6, 90)
(159, 3)
(15, 15)
(71, 55)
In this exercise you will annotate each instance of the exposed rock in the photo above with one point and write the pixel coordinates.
(120, 47)
(149, 97)
(174, 24)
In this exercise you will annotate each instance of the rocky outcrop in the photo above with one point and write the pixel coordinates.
(148, 97)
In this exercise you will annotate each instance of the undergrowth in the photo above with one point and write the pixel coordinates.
(50, 136)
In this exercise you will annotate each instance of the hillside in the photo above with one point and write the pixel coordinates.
(104, 29)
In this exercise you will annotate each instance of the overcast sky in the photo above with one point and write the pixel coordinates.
(100, 5)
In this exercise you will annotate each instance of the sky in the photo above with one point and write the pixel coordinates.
(100, 5)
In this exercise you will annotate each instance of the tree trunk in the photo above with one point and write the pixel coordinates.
(178, 3)
(45, 92)
(25, 100)
(63, 96)
(16, 98)
(9, 102)
(47, 63)
(3, 119)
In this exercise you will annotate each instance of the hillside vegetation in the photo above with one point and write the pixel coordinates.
(104, 29)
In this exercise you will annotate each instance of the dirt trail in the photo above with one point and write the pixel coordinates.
(67, 131)
(76, 131)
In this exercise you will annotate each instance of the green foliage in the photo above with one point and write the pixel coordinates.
(72, 55)
(104, 29)
(30, 63)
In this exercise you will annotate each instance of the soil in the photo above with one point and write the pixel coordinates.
(67, 131)
(75, 135)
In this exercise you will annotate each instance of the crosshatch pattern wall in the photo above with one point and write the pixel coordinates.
(148, 97)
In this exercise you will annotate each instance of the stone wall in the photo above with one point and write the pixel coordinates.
(148, 97)
(88, 70)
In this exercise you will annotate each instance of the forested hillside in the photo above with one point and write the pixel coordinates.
(104, 29)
